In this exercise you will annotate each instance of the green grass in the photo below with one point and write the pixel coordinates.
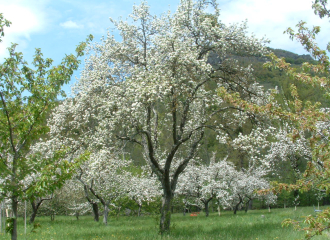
(251, 225)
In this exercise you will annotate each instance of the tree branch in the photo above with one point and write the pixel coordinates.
(11, 136)
(183, 165)
(153, 161)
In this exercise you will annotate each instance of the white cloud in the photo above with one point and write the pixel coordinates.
(271, 18)
(26, 19)
(70, 24)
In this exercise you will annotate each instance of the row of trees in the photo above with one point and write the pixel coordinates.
(156, 94)
(102, 181)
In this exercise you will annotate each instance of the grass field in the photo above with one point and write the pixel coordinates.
(256, 224)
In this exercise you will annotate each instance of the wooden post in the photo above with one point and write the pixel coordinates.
(1, 217)
(25, 217)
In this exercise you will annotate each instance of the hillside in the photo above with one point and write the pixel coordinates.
(271, 78)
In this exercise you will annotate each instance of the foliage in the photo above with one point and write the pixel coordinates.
(3, 23)
(312, 226)
(315, 120)
(27, 94)
(305, 117)
(9, 225)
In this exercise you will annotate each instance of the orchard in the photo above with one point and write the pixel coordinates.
(166, 119)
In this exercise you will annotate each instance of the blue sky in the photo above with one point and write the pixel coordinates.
(57, 26)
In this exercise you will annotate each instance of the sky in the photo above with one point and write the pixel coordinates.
(57, 26)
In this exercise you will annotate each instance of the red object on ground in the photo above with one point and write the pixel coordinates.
(194, 214)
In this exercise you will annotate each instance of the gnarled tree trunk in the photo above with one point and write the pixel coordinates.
(237, 205)
(35, 207)
(206, 206)
(105, 214)
(95, 211)
(165, 218)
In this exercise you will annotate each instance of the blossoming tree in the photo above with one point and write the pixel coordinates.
(106, 178)
(200, 183)
(156, 88)
(143, 188)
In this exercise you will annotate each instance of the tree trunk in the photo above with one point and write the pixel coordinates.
(103, 202)
(184, 210)
(105, 215)
(14, 205)
(52, 215)
(165, 218)
(247, 206)
(1, 210)
(251, 204)
(35, 207)
(34, 211)
(236, 208)
(139, 210)
(237, 205)
(95, 211)
(33, 215)
(95, 206)
(206, 205)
